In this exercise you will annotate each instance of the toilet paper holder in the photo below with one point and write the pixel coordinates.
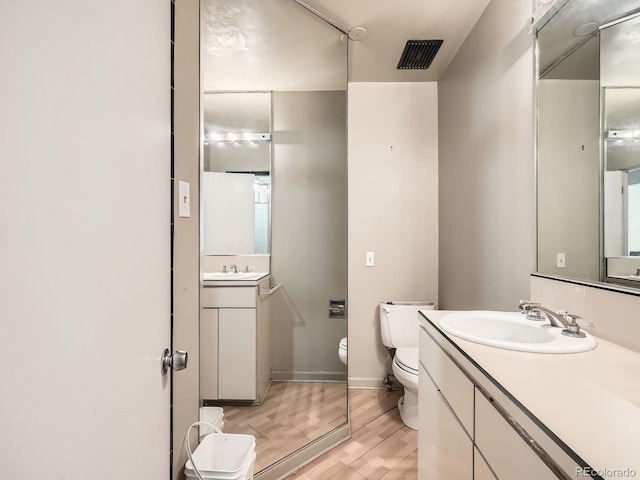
(337, 309)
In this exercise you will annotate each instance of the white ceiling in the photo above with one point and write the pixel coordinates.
(391, 23)
(279, 45)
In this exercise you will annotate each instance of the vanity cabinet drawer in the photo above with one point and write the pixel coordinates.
(233, 297)
(503, 448)
(445, 449)
(456, 388)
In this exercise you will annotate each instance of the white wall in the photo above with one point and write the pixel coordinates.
(186, 233)
(487, 197)
(393, 211)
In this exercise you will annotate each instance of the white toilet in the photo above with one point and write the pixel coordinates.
(399, 329)
(342, 350)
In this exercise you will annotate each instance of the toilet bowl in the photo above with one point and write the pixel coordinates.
(399, 328)
(405, 369)
(342, 350)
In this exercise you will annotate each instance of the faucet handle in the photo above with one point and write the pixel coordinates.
(573, 329)
(224, 269)
(526, 305)
(569, 317)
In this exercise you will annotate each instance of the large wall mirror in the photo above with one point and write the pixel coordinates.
(589, 141)
(274, 199)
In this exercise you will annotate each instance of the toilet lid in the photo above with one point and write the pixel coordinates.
(343, 343)
(407, 359)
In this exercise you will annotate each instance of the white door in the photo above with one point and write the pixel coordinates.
(84, 239)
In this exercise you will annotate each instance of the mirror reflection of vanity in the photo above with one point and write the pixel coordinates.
(274, 201)
(589, 141)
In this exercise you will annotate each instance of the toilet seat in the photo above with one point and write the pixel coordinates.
(407, 359)
(343, 343)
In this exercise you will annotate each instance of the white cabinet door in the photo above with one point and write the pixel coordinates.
(444, 449)
(237, 354)
(209, 353)
(506, 452)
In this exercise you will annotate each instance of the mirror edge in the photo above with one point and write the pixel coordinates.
(612, 287)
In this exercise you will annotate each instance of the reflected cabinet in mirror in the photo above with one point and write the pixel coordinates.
(274, 202)
(589, 141)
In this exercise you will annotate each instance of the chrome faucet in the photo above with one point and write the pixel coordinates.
(560, 319)
(234, 268)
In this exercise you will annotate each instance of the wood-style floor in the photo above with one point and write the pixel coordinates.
(381, 447)
(292, 415)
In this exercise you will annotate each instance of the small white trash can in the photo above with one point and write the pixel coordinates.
(212, 415)
(223, 456)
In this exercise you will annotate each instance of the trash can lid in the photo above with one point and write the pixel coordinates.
(223, 453)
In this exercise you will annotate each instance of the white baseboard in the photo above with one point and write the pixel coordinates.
(361, 382)
(308, 376)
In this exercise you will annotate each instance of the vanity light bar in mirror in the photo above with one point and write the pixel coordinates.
(245, 137)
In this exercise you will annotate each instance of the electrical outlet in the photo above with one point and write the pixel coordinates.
(560, 260)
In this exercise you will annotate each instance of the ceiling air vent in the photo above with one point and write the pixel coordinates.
(418, 54)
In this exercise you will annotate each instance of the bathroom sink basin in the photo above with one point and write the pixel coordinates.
(512, 331)
(233, 276)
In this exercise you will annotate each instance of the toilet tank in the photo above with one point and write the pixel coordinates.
(399, 322)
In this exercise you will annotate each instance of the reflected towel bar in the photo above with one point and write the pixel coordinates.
(271, 291)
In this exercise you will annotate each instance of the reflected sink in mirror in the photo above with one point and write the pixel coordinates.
(226, 276)
(512, 331)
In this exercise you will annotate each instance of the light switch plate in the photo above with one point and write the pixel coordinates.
(184, 200)
(370, 262)
(560, 260)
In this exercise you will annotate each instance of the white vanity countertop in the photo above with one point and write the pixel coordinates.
(218, 279)
(590, 400)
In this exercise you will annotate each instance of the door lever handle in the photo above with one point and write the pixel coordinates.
(177, 361)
